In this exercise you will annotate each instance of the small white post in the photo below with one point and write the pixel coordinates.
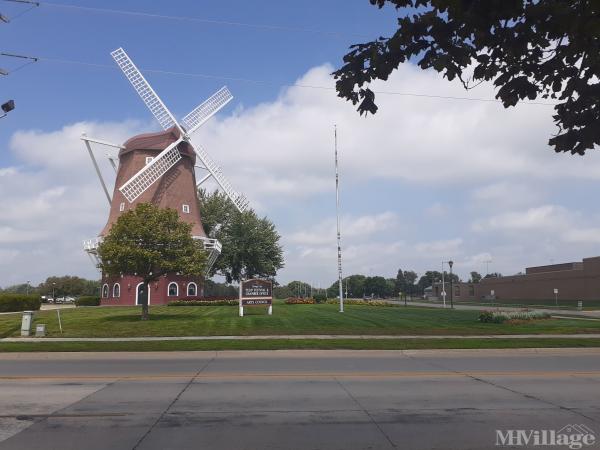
(59, 322)
(270, 311)
(241, 307)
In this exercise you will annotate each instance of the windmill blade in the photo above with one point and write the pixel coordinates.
(238, 199)
(207, 109)
(144, 90)
(147, 176)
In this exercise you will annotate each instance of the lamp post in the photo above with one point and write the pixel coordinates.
(53, 290)
(7, 107)
(451, 263)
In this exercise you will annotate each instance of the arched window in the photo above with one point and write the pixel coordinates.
(192, 289)
(105, 291)
(116, 290)
(173, 289)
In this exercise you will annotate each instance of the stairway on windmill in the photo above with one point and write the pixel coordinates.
(159, 168)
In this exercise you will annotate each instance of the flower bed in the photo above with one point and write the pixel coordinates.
(354, 301)
(497, 316)
(214, 301)
(299, 301)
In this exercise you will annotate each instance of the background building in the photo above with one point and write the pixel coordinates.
(574, 281)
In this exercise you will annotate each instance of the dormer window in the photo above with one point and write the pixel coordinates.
(186, 209)
(149, 159)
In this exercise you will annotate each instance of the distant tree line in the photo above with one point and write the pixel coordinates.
(61, 286)
(407, 282)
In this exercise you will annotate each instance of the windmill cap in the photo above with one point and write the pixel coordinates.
(157, 141)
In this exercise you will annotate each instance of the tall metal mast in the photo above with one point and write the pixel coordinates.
(337, 212)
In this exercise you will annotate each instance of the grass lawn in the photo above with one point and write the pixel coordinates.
(286, 319)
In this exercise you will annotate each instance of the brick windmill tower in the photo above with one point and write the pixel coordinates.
(159, 168)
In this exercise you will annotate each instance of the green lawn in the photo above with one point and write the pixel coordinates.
(286, 319)
(298, 344)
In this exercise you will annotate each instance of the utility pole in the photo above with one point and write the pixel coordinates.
(337, 212)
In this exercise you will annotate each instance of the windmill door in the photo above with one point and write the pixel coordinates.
(141, 297)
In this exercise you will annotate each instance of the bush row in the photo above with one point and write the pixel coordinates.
(219, 302)
(87, 301)
(503, 316)
(19, 302)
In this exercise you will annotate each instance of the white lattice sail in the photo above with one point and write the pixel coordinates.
(147, 176)
(238, 199)
(144, 90)
(206, 110)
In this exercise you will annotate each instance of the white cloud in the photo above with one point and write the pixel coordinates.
(352, 227)
(441, 248)
(545, 217)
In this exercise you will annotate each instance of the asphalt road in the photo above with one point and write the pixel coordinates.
(293, 399)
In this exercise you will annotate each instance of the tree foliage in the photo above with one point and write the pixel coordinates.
(433, 276)
(475, 277)
(149, 242)
(251, 245)
(527, 48)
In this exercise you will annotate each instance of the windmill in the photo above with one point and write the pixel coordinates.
(160, 167)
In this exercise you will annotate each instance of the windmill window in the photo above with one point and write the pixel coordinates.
(105, 291)
(149, 159)
(173, 289)
(192, 289)
(186, 209)
(122, 206)
(116, 290)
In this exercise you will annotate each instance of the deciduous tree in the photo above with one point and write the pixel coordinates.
(527, 48)
(251, 245)
(149, 242)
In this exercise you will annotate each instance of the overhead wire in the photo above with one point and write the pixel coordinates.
(186, 18)
(273, 83)
(229, 78)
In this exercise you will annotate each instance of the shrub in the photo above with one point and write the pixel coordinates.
(320, 298)
(87, 301)
(300, 301)
(504, 316)
(220, 302)
(19, 302)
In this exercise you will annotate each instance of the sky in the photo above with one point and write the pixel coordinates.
(425, 180)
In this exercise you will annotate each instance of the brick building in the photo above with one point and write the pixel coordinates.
(574, 281)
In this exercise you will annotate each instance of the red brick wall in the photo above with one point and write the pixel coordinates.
(158, 289)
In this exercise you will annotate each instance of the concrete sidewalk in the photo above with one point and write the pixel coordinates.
(302, 336)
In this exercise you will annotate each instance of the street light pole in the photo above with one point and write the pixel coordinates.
(53, 290)
(451, 263)
(443, 286)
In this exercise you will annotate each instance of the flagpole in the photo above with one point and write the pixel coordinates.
(337, 212)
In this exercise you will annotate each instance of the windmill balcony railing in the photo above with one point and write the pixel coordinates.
(91, 245)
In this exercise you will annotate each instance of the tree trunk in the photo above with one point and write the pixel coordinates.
(145, 311)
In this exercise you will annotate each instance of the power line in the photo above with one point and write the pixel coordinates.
(187, 19)
(28, 60)
(273, 83)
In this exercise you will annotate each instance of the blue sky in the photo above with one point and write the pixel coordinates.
(424, 180)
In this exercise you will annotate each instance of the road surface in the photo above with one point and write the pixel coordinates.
(293, 399)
